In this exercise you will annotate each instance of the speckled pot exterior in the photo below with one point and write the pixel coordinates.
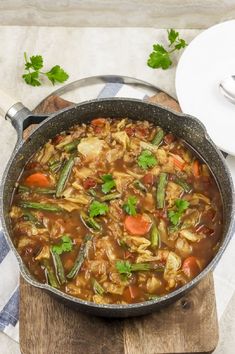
(186, 127)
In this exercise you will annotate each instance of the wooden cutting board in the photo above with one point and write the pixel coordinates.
(48, 327)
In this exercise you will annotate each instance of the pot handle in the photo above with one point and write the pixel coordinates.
(19, 115)
(6, 103)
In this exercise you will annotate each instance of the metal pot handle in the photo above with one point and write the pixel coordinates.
(19, 115)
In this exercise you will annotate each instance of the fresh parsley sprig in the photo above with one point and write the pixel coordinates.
(146, 159)
(108, 184)
(96, 208)
(33, 75)
(65, 245)
(160, 56)
(125, 268)
(130, 206)
(175, 215)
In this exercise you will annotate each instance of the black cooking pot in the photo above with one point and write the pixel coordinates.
(186, 127)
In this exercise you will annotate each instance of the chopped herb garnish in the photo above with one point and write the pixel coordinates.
(97, 208)
(108, 184)
(130, 206)
(65, 245)
(126, 268)
(98, 289)
(175, 215)
(146, 159)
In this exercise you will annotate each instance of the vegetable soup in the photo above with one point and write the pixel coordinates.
(116, 212)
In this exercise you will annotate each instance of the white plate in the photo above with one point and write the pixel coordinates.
(208, 59)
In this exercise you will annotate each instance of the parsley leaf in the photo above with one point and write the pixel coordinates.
(160, 56)
(172, 35)
(108, 184)
(146, 159)
(35, 63)
(57, 74)
(65, 245)
(32, 79)
(97, 208)
(125, 268)
(130, 205)
(181, 44)
(175, 215)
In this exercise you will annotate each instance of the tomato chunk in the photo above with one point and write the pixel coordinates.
(169, 138)
(37, 180)
(190, 267)
(148, 179)
(137, 225)
(57, 139)
(89, 183)
(130, 131)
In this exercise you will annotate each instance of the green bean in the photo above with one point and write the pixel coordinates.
(186, 187)
(40, 206)
(110, 196)
(50, 274)
(64, 176)
(152, 297)
(158, 137)
(135, 267)
(30, 217)
(59, 267)
(25, 189)
(82, 254)
(71, 146)
(55, 166)
(92, 192)
(155, 236)
(90, 222)
(139, 185)
(161, 188)
(98, 289)
(157, 268)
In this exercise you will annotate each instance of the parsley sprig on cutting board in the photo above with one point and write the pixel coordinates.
(161, 56)
(33, 74)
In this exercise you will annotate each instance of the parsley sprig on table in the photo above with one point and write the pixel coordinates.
(33, 75)
(175, 215)
(160, 56)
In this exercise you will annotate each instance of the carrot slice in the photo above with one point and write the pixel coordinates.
(196, 168)
(137, 225)
(178, 163)
(130, 293)
(134, 291)
(98, 122)
(37, 180)
(190, 267)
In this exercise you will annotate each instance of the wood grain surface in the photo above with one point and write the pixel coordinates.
(48, 327)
